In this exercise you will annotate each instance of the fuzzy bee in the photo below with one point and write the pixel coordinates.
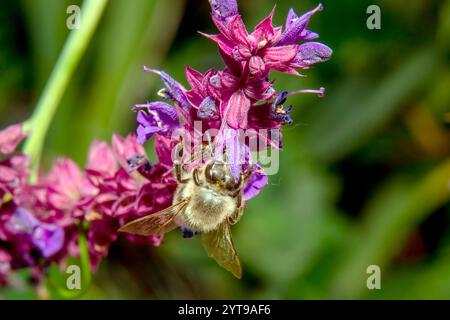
(208, 200)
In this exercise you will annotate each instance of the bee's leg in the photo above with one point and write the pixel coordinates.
(179, 167)
(236, 216)
(196, 178)
(210, 145)
(243, 178)
(179, 172)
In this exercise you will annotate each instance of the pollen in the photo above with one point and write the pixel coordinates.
(262, 44)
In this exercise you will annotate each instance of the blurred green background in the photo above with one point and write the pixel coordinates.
(364, 176)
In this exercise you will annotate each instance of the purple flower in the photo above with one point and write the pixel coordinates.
(173, 90)
(282, 114)
(296, 27)
(223, 10)
(205, 93)
(311, 53)
(279, 112)
(267, 48)
(207, 108)
(256, 182)
(260, 49)
(47, 238)
(159, 117)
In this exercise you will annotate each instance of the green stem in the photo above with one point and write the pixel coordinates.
(56, 281)
(73, 50)
(84, 261)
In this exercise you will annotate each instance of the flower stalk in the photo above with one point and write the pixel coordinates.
(47, 105)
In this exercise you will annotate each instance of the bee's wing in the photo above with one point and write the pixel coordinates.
(219, 246)
(157, 223)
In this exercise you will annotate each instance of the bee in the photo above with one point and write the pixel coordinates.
(208, 201)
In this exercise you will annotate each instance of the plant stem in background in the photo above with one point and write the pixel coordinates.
(44, 112)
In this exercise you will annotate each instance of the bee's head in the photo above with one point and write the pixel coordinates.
(218, 172)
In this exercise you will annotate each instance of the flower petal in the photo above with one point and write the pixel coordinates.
(291, 17)
(224, 9)
(22, 221)
(207, 108)
(280, 54)
(279, 58)
(296, 26)
(174, 90)
(10, 138)
(125, 149)
(68, 181)
(257, 66)
(160, 118)
(167, 114)
(163, 149)
(265, 33)
(260, 117)
(311, 53)
(145, 133)
(48, 238)
(237, 110)
(194, 78)
(254, 185)
(236, 30)
(101, 158)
